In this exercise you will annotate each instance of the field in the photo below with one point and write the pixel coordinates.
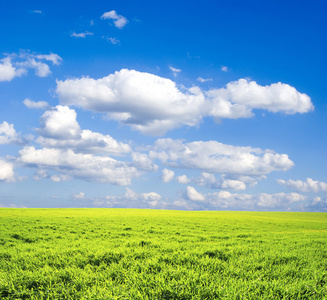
(155, 254)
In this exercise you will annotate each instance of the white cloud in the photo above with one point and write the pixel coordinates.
(194, 195)
(183, 179)
(78, 165)
(36, 105)
(238, 183)
(224, 69)
(60, 123)
(148, 103)
(54, 58)
(80, 195)
(167, 175)
(6, 171)
(248, 95)
(8, 71)
(81, 35)
(154, 105)
(309, 185)
(175, 70)
(112, 40)
(118, 20)
(204, 80)
(8, 134)
(133, 199)
(60, 129)
(234, 201)
(15, 65)
(37, 11)
(215, 157)
(142, 162)
(278, 200)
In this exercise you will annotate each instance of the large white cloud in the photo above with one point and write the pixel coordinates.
(6, 171)
(309, 185)
(78, 165)
(60, 129)
(149, 103)
(154, 105)
(215, 157)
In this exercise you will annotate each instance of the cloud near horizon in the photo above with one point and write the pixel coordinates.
(154, 105)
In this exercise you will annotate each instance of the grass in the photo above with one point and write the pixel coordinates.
(155, 254)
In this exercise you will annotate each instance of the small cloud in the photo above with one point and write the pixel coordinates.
(193, 194)
(118, 20)
(91, 23)
(80, 195)
(37, 105)
(183, 179)
(82, 34)
(174, 70)
(204, 80)
(37, 11)
(112, 40)
(224, 69)
(167, 175)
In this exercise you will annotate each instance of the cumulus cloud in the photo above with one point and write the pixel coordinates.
(8, 70)
(279, 199)
(36, 105)
(88, 167)
(224, 69)
(118, 20)
(209, 180)
(193, 194)
(245, 95)
(183, 179)
(309, 185)
(81, 34)
(142, 162)
(215, 157)
(146, 102)
(8, 134)
(234, 201)
(167, 175)
(15, 65)
(153, 105)
(60, 129)
(6, 171)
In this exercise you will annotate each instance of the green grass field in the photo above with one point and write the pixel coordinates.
(155, 254)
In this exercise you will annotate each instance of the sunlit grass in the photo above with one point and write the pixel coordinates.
(154, 254)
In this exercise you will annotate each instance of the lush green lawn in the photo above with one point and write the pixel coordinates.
(155, 254)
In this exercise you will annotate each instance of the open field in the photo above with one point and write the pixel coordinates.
(154, 254)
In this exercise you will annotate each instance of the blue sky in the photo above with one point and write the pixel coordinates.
(196, 105)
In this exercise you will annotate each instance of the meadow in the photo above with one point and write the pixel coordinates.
(157, 254)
